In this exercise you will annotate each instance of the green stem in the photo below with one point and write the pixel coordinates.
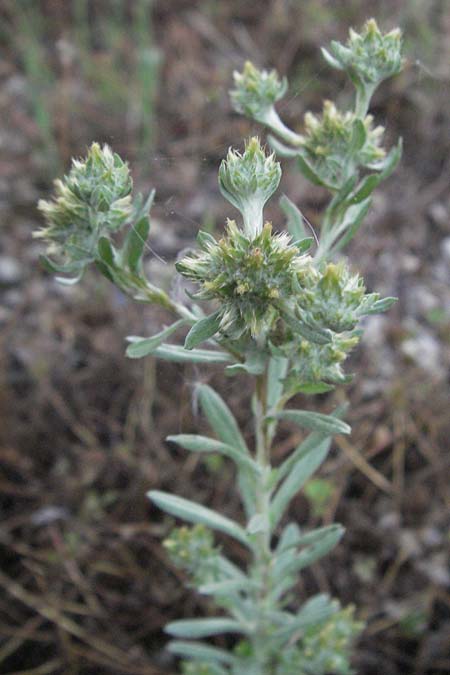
(263, 551)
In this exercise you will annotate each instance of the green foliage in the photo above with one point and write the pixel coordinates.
(336, 149)
(276, 313)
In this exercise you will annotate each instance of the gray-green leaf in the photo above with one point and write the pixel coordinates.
(196, 443)
(140, 347)
(202, 330)
(195, 513)
(198, 628)
(315, 421)
(220, 417)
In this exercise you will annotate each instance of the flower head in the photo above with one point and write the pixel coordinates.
(333, 136)
(368, 57)
(94, 198)
(247, 180)
(256, 91)
(249, 278)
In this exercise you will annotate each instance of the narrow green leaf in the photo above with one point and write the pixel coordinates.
(294, 218)
(106, 251)
(205, 238)
(314, 388)
(135, 242)
(277, 371)
(196, 443)
(301, 472)
(202, 330)
(359, 136)
(308, 616)
(365, 188)
(195, 513)
(199, 628)
(254, 364)
(353, 221)
(140, 347)
(334, 63)
(200, 651)
(180, 355)
(315, 421)
(309, 173)
(314, 441)
(226, 587)
(312, 553)
(382, 305)
(220, 417)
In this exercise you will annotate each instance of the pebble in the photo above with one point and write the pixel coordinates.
(10, 271)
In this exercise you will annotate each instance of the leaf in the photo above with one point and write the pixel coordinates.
(226, 587)
(289, 537)
(365, 188)
(136, 239)
(294, 218)
(220, 418)
(204, 239)
(359, 136)
(202, 330)
(196, 443)
(144, 346)
(180, 355)
(308, 171)
(312, 553)
(200, 651)
(278, 366)
(312, 613)
(315, 421)
(301, 472)
(106, 251)
(312, 441)
(195, 513)
(382, 305)
(352, 222)
(254, 364)
(334, 63)
(313, 388)
(198, 628)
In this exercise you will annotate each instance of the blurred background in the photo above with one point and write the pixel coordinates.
(85, 584)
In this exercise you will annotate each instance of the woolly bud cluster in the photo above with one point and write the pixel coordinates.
(249, 278)
(192, 549)
(247, 180)
(94, 198)
(335, 144)
(256, 91)
(368, 58)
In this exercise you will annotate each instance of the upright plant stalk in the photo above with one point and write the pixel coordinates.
(265, 307)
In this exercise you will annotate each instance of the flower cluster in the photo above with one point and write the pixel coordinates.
(333, 136)
(249, 278)
(325, 648)
(192, 549)
(368, 57)
(256, 91)
(93, 199)
(247, 180)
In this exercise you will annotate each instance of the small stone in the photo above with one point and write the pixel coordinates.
(445, 248)
(10, 271)
(439, 215)
(425, 351)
